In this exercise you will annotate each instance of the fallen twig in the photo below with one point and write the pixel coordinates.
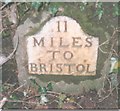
(49, 93)
(2, 7)
(20, 101)
(103, 98)
(11, 55)
(19, 88)
(2, 102)
(105, 70)
(78, 105)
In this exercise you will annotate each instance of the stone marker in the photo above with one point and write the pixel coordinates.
(55, 51)
(62, 48)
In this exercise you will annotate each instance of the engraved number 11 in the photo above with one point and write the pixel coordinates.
(65, 26)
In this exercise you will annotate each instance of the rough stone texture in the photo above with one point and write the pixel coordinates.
(75, 53)
(0, 43)
(21, 54)
(61, 85)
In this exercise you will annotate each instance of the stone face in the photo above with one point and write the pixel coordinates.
(62, 48)
(61, 83)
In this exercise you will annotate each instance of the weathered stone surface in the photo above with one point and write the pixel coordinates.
(0, 44)
(62, 48)
(61, 83)
(21, 54)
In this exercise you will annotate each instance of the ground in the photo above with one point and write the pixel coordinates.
(45, 98)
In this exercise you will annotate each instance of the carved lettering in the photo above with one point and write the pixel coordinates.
(77, 42)
(68, 55)
(54, 54)
(65, 26)
(38, 43)
(62, 48)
